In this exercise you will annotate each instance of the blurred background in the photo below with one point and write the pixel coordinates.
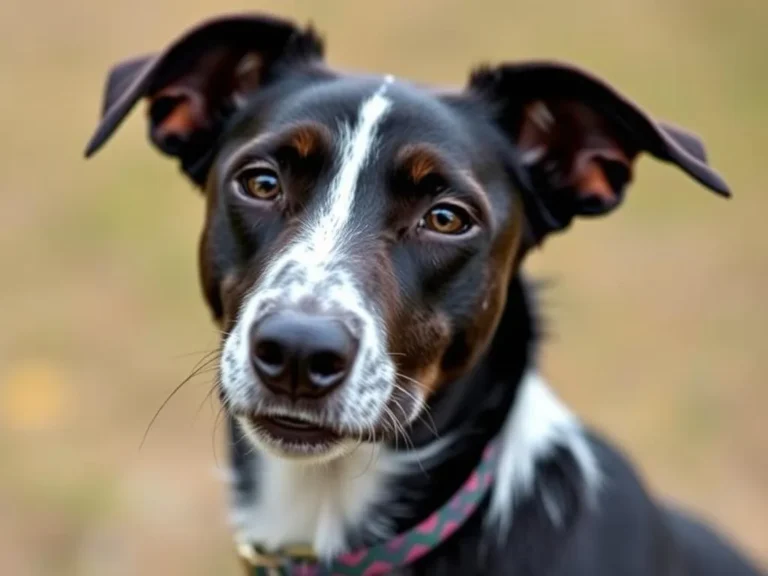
(658, 313)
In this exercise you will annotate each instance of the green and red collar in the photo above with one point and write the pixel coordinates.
(400, 551)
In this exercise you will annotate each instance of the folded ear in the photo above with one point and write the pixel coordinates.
(577, 139)
(197, 83)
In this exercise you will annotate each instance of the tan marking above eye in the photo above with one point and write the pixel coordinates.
(422, 165)
(305, 141)
(419, 161)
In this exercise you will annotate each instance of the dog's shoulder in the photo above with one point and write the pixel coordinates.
(615, 529)
(626, 530)
(705, 551)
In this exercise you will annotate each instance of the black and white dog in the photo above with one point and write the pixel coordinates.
(362, 254)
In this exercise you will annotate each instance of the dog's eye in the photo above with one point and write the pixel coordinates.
(261, 183)
(447, 219)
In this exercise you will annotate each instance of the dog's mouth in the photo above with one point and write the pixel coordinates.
(294, 435)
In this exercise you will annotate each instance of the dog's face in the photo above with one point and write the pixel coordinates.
(361, 231)
(375, 236)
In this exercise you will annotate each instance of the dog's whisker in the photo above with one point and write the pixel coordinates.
(398, 427)
(408, 441)
(222, 410)
(196, 371)
(205, 353)
(208, 395)
(400, 406)
(413, 381)
(389, 426)
(424, 412)
(423, 408)
(207, 359)
(374, 451)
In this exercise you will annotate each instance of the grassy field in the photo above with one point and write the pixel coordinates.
(659, 313)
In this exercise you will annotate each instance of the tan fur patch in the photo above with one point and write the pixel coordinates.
(306, 140)
(187, 116)
(428, 378)
(419, 160)
(421, 165)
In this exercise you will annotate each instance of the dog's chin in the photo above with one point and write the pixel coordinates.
(295, 439)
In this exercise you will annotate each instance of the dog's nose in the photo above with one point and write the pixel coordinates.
(301, 355)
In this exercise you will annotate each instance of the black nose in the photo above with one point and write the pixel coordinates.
(302, 355)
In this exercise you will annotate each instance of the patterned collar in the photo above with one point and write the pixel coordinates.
(400, 551)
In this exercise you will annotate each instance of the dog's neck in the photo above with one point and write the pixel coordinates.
(379, 491)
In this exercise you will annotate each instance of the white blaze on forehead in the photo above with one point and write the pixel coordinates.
(357, 146)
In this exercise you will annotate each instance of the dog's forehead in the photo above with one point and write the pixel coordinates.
(413, 113)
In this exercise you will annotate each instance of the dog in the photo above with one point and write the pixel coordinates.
(362, 253)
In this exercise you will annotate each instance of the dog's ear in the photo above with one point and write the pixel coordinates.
(198, 82)
(576, 140)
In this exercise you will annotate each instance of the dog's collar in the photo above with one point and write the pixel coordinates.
(400, 551)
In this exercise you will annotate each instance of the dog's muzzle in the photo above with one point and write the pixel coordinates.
(306, 367)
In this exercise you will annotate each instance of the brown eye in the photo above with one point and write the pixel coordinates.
(447, 219)
(260, 183)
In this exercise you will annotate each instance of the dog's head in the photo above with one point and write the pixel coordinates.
(361, 231)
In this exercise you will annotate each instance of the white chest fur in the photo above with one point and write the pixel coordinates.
(301, 503)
